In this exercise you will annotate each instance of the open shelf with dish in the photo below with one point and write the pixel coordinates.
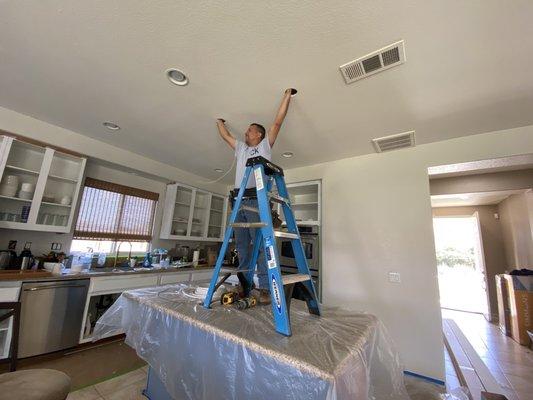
(193, 214)
(39, 186)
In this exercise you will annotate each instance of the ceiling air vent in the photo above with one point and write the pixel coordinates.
(377, 61)
(394, 142)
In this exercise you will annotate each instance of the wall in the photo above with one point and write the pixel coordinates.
(41, 241)
(493, 248)
(517, 225)
(507, 180)
(376, 215)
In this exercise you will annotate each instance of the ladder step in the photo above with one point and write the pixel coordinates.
(248, 224)
(248, 208)
(286, 235)
(278, 199)
(229, 270)
(295, 278)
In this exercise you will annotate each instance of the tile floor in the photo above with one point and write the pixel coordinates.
(510, 363)
(125, 387)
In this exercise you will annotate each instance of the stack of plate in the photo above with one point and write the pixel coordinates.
(26, 191)
(9, 186)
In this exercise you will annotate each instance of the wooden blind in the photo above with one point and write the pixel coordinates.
(109, 211)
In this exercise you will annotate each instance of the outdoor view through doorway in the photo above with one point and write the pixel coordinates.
(460, 261)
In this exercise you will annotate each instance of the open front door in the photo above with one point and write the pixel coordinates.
(479, 255)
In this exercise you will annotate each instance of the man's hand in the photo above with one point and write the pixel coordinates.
(225, 134)
(280, 116)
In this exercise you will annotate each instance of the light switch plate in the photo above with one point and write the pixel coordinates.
(394, 277)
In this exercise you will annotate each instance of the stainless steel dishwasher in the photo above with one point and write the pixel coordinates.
(51, 315)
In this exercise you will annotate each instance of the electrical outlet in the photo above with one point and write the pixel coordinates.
(394, 277)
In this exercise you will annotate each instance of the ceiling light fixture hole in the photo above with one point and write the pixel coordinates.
(111, 126)
(219, 170)
(177, 77)
(288, 154)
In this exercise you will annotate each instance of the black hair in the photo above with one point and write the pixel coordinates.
(261, 129)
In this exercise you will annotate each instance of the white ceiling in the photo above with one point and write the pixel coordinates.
(79, 63)
(472, 199)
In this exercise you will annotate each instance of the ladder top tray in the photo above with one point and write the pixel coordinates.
(170, 330)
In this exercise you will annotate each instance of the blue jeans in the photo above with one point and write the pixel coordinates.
(244, 238)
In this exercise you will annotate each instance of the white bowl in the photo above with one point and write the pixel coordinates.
(27, 187)
(8, 190)
(25, 195)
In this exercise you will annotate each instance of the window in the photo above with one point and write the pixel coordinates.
(111, 213)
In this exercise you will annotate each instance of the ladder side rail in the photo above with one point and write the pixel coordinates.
(279, 305)
(297, 247)
(227, 236)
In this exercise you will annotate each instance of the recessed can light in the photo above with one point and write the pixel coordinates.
(177, 77)
(288, 154)
(219, 170)
(111, 126)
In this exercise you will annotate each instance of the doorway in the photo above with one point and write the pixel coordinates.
(460, 262)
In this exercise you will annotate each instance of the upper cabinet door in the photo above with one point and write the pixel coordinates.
(182, 211)
(21, 165)
(199, 214)
(61, 183)
(216, 217)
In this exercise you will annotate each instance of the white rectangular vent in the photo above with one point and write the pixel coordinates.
(394, 142)
(377, 61)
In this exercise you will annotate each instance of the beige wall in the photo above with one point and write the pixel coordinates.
(517, 227)
(493, 248)
(507, 180)
(376, 215)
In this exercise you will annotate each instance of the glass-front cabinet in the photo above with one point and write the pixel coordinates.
(193, 214)
(39, 186)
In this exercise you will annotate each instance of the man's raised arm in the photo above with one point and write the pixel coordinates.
(280, 116)
(225, 134)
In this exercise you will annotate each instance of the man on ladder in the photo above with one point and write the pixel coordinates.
(257, 143)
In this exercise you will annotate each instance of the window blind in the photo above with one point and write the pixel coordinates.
(109, 211)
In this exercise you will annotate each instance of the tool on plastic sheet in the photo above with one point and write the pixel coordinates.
(282, 287)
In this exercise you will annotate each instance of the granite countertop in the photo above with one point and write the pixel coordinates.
(42, 275)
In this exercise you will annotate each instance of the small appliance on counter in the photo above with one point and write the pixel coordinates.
(26, 258)
(8, 259)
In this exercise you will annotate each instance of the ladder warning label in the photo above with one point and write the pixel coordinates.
(258, 179)
(271, 257)
(270, 254)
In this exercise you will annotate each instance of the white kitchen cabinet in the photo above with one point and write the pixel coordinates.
(9, 291)
(193, 214)
(55, 179)
(306, 202)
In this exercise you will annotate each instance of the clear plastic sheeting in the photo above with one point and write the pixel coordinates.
(225, 353)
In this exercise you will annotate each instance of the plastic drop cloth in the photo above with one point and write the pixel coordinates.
(225, 353)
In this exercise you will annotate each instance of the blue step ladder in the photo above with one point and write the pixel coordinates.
(282, 287)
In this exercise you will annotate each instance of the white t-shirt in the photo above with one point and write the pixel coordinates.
(243, 152)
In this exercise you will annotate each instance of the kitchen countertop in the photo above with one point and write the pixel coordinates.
(41, 275)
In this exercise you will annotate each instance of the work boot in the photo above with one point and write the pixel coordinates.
(264, 297)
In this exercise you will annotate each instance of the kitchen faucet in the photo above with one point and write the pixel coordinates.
(118, 249)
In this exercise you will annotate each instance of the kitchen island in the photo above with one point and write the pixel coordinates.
(224, 353)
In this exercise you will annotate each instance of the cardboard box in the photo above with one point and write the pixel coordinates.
(520, 289)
